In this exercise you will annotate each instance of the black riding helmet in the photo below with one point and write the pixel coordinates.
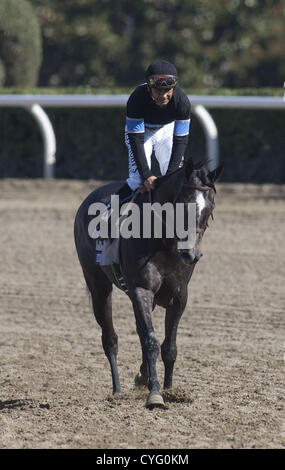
(168, 75)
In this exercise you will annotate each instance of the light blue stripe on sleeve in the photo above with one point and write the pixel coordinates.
(182, 127)
(134, 125)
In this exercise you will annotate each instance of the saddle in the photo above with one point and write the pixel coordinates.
(107, 251)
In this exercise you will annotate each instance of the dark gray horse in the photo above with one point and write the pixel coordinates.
(155, 272)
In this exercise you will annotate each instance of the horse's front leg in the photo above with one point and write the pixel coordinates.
(168, 347)
(142, 302)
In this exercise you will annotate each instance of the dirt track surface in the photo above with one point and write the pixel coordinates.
(229, 376)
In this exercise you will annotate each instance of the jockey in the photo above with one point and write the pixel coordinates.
(158, 119)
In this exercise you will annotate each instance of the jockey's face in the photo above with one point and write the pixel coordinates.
(162, 96)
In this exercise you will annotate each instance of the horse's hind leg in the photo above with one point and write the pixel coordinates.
(101, 294)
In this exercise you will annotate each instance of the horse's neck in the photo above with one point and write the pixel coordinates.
(169, 187)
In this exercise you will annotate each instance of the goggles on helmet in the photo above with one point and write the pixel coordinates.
(162, 82)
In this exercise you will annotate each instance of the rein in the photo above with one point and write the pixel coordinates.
(200, 188)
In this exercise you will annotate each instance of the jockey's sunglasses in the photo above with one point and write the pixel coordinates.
(162, 82)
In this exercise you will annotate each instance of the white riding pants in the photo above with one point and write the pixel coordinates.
(157, 139)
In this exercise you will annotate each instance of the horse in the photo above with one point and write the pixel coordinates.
(155, 272)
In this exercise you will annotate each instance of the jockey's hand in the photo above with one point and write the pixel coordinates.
(149, 183)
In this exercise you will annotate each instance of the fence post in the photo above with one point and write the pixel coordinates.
(48, 139)
(211, 133)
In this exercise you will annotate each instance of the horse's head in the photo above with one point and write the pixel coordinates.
(194, 188)
(198, 188)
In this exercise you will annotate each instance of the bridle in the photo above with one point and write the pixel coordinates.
(201, 188)
(199, 230)
(191, 186)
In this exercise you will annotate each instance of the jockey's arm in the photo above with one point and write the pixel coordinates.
(180, 141)
(178, 151)
(135, 127)
(137, 146)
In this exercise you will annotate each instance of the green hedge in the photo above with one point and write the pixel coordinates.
(90, 142)
(20, 44)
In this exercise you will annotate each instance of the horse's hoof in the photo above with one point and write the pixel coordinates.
(155, 400)
(140, 380)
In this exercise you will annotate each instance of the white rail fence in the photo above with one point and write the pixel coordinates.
(36, 103)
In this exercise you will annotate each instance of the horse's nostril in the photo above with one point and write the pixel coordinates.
(190, 257)
(187, 256)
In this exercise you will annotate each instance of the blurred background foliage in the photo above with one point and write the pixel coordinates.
(20, 44)
(225, 43)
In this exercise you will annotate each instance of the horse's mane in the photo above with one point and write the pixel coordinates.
(198, 175)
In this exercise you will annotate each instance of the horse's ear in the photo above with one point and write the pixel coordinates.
(215, 174)
(189, 167)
